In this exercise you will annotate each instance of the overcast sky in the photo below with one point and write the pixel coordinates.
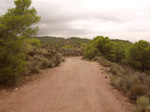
(119, 19)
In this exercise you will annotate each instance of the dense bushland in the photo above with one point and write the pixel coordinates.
(41, 58)
(68, 47)
(60, 41)
(20, 53)
(128, 65)
(15, 27)
(136, 55)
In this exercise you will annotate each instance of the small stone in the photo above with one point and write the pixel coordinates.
(115, 90)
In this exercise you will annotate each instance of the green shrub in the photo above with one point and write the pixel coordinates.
(138, 55)
(143, 104)
(36, 63)
(56, 60)
(44, 63)
(82, 47)
(116, 81)
(138, 90)
(125, 83)
(116, 69)
(34, 66)
(34, 42)
(103, 61)
(91, 52)
(147, 80)
(31, 50)
(43, 52)
(57, 57)
(52, 63)
(67, 47)
(12, 61)
(27, 69)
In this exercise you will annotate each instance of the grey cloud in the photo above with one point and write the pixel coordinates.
(74, 17)
(5, 4)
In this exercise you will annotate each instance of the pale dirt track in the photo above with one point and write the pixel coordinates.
(74, 86)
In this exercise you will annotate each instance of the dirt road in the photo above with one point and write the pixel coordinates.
(74, 86)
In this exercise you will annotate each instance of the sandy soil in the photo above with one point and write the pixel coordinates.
(74, 86)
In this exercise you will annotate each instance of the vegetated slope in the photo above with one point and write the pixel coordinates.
(129, 65)
(119, 40)
(75, 86)
(50, 40)
(60, 41)
(68, 47)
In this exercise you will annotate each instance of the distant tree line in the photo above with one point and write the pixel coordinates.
(74, 42)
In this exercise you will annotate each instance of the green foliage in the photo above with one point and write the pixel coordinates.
(34, 42)
(15, 27)
(111, 49)
(116, 69)
(118, 40)
(139, 55)
(12, 60)
(75, 42)
(18, 21)
(33, 66)
(132, 83)
(123, 77)
(82, 47)
(71, 52)
(143, 104)
(57, 58)
(41, 58)
(91, 52)
(116, 81)
(102, 44)
(97, 46)
(117, 51)
(103, 61)
(67, 47)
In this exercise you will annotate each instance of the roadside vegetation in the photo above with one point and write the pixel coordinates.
(128, 63)
(23, 53)
(20, 53)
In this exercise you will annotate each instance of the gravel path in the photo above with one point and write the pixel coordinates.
(74, 86)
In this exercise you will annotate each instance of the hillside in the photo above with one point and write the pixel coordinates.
(60, 41)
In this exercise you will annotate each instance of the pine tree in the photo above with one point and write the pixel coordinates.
(15, 27)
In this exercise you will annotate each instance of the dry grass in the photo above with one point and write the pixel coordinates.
(143, 104)
(39, 58)
(103, 61)
(133, 83)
